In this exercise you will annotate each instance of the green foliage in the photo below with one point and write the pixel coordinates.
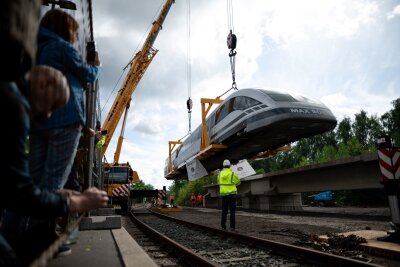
(328, 153)
(364, 197)
(303, 162)
(141, 185)
(149, 187)
(344, 132)
(360, 127)
(175, 187)
(391, 122)
(354, 147)
(367, 129)
(260, 171)
(184, 192)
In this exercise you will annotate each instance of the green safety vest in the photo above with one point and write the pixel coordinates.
(228, 181)
(101, 142)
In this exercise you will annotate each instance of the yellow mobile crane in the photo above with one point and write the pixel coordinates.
(118, 175)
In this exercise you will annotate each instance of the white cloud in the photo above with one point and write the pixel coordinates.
(394, 13)
(296, 21)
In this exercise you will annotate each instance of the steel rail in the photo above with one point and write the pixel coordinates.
(192, 257)
(302, 254)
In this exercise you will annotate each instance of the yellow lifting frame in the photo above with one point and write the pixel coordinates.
(172, 145)
(206, 150)
(204, 142)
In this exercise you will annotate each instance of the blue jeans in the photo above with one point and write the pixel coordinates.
(52, 153)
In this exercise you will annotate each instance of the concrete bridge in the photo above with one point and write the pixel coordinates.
(280, 190)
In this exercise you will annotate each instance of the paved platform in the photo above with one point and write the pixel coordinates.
(104, 248)
(103, 242)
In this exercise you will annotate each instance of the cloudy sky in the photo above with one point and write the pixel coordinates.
(345, 53)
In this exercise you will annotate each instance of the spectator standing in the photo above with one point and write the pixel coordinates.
(48, 90)
(54, 141)
(200, 200)
(193, 200)
(171, 200)
(228, 180)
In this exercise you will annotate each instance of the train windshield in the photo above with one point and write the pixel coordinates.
(306, 99)
(286, 97)
(279, 97)
(242, 102)
(235, 103)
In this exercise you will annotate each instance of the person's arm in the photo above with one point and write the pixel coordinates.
(79, 68)
(236, 179)
(91, 198)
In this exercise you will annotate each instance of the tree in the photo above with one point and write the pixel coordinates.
(344, 131)
(396, 121)
(360, 127)
(375, 130)
(387, 122)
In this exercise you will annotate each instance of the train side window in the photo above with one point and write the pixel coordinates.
(243, 102)
(210, 121)
(221, 113)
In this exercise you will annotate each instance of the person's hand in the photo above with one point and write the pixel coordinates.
(97, 60)
(68, 192)
(91, 198)
(94, 133)
(91, 132)
(49, 90)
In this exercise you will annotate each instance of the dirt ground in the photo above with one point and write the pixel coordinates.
(303, 229)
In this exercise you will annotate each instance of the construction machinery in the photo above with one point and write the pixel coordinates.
(118, 176)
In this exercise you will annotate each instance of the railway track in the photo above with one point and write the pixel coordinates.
(160, 252)
(190, 244)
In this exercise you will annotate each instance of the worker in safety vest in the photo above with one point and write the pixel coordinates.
(171, 200)
(228, 180)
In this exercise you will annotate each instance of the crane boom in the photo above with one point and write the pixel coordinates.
(121, 136)
(138, 66)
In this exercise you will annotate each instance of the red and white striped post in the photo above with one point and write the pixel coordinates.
(389, 164)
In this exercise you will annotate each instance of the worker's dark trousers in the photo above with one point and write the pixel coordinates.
(228, 202)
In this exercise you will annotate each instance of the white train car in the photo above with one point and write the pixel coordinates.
(250, 121)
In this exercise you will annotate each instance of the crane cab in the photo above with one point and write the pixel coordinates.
(117, 178)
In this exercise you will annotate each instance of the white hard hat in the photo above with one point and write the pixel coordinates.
(226, 163)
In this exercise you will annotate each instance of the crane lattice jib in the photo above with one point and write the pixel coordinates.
(138, 67)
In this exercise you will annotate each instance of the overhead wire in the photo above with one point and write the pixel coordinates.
(189, 102)
(112, 91)
(229, 10)
(231, 42)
